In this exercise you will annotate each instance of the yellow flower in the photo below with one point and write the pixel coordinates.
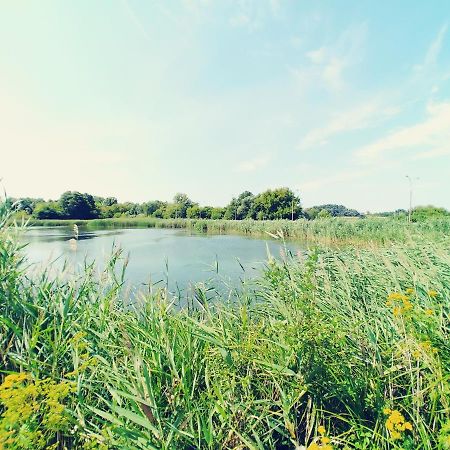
(314, 446)
(395, 435)
(387, 411)
(432, 294)
(396, 311)
(321, 429)
(408, 426)
(326, 440)
(410, 291)
(429, 312)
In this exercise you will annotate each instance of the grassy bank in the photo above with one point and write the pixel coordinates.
(349, 349)
(333, 230)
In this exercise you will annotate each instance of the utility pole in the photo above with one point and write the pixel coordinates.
(410, 195)
(292, 204)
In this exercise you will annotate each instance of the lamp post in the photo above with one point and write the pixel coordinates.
(410, 179)
(292, 204)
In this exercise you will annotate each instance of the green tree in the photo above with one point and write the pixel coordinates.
(217, 213)
(75, 205)
(279, 203)
(334, 210)
(109, 201)
(323, 214)
(181, 203)
(239, 208)
(422, 213)
(151, 207)
(47, 210)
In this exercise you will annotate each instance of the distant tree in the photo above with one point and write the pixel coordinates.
(181, 203)
(239, 208)
(311, 213)
(151, 207)
(217, 213)
(323, 214)
(279, 203)
(27, 204)
(172, 211)
(334, 210)
(422, 213)
(47, 210)
(109, 201)
(75, 205)
(194, 212)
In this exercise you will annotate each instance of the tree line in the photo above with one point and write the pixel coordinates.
(280, 203)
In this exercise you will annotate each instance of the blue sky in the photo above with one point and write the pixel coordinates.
(141, 99)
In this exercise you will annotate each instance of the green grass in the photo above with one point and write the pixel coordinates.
(328, 231)
(314, 343)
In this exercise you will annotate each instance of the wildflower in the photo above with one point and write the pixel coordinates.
(321, 429)
(429, 312)
(14, 378)
(326, 440)
(314, 446)
(396, 424)
(410, 291)
(432, 294)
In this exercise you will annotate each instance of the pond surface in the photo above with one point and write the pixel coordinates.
(157, 256)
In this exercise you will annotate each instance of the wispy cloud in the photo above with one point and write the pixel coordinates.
(252, 165)
(343, 177)
(433, 50)
(432, 134)
(329, 62)
(136, 20)
(368, 114)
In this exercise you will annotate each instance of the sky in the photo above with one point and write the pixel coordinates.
(141, 99)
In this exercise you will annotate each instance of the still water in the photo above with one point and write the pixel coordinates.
(157, 256)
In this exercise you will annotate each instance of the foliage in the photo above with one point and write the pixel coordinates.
(47, 210)
(333, 210)
(342, 348)
(422, 213)
(75, 205)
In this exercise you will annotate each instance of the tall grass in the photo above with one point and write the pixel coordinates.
(329, 231)
(314, 356)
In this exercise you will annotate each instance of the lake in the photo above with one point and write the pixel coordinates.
(158, 256)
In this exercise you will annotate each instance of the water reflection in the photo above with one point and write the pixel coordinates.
(157, 256)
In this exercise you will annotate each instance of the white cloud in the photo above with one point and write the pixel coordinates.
(433, 133)
(431, 154)
(254, 164)
(317, 56)
(330, 61)
(433, 50)
(368, 114)
(343, 177)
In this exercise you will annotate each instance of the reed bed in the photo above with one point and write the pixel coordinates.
(344, 349)
(324, 231)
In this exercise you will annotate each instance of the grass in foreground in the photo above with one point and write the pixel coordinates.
(348, 349)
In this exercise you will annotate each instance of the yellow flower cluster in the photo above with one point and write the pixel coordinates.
(400, 303)
(396, 423)
(324, 441)
(424, 348)
(32, 410)
(432, 294)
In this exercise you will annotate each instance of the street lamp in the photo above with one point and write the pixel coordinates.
(411, 180)
(292, 204)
